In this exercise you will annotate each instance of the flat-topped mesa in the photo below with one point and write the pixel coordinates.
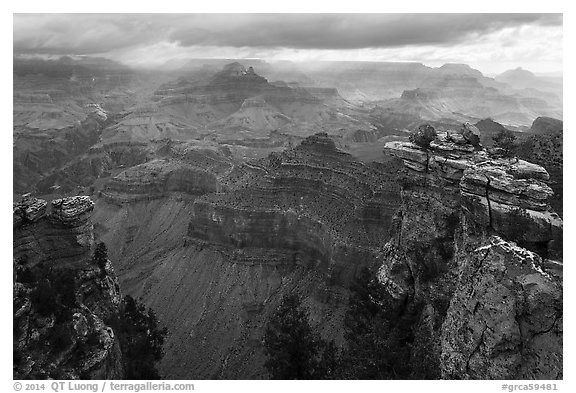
(156, 178)
(63, 234)
(320, 144)
(320, 140)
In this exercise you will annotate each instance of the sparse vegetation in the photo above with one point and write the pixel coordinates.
(378, 340)
(294, 351)
(423, 136)
(100, 257)
(55, 294)
(141, 339)
(506, 140)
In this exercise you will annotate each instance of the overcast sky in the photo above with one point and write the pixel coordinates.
(491, 43)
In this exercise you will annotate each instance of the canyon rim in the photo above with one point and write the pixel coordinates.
(287, 196)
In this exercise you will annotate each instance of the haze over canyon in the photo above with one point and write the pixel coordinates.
(190, 190)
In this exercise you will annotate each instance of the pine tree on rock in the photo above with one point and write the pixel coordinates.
(289, 342)
(101, 256)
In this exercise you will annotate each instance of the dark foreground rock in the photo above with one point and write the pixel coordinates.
(62, 299)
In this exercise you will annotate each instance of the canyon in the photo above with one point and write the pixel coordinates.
(219, 189)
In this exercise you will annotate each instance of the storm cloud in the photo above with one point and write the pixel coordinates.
(101, 33)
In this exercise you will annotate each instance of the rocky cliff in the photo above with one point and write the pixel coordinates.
(215, 266)
(543, 144)
(313, 201)
(62, 299)
(477, 248)
(156, 178)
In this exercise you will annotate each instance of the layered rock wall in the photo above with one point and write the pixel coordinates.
(156, 178)
(477, 246)
(62, 299)
(63, 235)
(312, 202)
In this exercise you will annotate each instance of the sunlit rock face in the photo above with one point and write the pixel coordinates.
(53, 252)
(477, 244)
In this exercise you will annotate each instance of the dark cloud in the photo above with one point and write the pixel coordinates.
(101, 33)
(353, 31)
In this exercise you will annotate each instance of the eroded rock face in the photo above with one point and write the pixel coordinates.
(311, 200)
(478, 234)
(28, 210)
(73, 210)
(302, 221)
(500, 194)
(64, 235)
(505, 317)
(156, 178)
(61, 297)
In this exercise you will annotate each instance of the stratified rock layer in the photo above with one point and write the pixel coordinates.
(215, 266)
(156, 178)
(61, 298)
(314, 200)
(460, 250)
(501, 194)
(64, 236)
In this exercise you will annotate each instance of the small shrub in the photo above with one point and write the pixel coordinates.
(289, 342)
(61, 338)
(423, 136)
(506, 140)
(101, 256)
(141, 339)
(25, 276)
(43, 298)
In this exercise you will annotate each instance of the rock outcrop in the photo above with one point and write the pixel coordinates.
(64, 235)
(505, 317)
(62, 299)
(544, 145)
(477, 246)
(491, 190)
